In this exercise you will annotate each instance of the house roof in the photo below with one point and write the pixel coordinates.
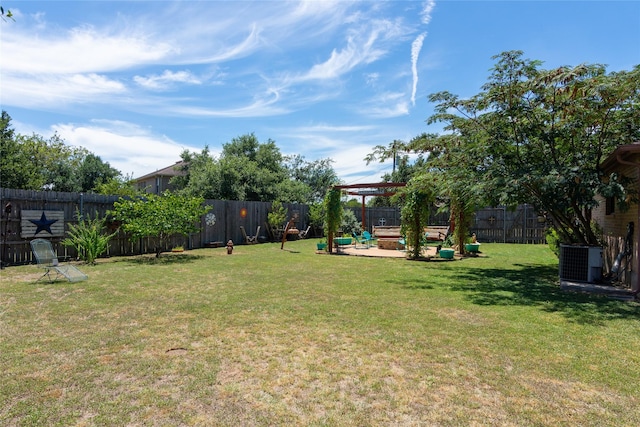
(170, 171)
(621, 155)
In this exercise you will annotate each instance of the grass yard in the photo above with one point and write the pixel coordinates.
(288, 337)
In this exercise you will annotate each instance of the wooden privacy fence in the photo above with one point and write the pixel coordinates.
(221, 224)
(522, 225)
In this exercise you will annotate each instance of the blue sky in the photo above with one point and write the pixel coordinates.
(138, 82)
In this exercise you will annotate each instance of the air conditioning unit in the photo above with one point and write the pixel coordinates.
(580, 263)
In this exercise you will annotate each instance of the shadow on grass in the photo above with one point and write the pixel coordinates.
(535, 285)
(162, 260)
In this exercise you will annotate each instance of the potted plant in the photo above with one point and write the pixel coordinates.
(322, 244)
(177, 249)
(345, 239)
(446, 253)
(472, 245)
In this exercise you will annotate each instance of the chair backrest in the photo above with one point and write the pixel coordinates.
(366, 235)
(43, 252)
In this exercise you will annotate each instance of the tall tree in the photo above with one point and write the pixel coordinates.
(450, 175)
(404, 168)
(317, 175)
(250, 170)
(542, 135)
(535, 136)
(12, 160)
(36, 163)
(93, 172)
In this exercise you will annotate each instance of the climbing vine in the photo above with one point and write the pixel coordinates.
(333, 208)
(415, 217)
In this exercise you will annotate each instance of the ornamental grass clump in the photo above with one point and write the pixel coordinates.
(88, 237)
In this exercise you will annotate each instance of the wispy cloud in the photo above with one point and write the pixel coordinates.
(386, 105)
(78, 50)
(427, 9)
(363, 46)
(48, 90)
(129, 148)
(167, 79)
(416, 46)
(207, 62)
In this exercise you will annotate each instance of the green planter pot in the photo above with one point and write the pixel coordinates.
(343, 240)
(446, 253)
(321, 246)
(472, 247)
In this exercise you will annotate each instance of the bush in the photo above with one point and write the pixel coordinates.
(553, 240)
(350, 224)
(277, 216)
(88, 238)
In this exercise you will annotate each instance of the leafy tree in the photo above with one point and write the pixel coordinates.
(118, 186)
(277, 215)
(542, 135)
(92, 172)
(318, 176)
(317, 217)
(201, 175)
(250, 170)
(35, 163)
(535, 136)
(403, 171)
(159, 216)
(11, 158)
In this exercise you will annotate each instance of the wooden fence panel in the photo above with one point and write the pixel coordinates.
(222, 223)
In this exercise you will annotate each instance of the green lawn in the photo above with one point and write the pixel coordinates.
(288, 337)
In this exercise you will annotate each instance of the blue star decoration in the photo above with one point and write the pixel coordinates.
(43, 224)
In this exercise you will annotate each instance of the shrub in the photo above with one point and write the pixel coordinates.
(553, 240)
(88, 238)
(350, 224)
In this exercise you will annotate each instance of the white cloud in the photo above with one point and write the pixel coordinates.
(166, 79)
(263, 106)
(79, 50)
(427, 9)
(416, 46)
(347, 153)
(57, 90)
(363, 46)
(126, 146)
(386, 105)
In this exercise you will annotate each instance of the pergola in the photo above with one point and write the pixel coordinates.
(383, 189)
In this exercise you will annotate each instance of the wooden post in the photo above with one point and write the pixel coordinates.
(286, 229)
(364, 221)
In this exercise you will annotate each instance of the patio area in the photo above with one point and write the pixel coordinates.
(374, 251)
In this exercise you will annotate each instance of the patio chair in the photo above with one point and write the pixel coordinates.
(364, 241)
(303, 233)
(250, 240)
(369, 237)
(48, 260)
(360, 241)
